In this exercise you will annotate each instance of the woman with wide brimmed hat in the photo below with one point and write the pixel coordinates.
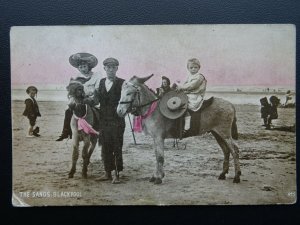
(84, 62)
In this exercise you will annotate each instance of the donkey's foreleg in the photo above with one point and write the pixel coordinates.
(75, 155)
(159, 154)
(235, 153)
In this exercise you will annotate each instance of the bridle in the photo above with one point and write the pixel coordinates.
(136, 109)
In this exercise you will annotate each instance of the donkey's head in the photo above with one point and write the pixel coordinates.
(76, 90)
(133, 95)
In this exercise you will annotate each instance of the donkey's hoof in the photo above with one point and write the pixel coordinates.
(116, 181)
(84, 175)
(236, 180)
(71, 175)
(152, 179)
(222, 176)
(158, 180)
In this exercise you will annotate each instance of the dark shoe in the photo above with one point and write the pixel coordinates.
(63, 136)
(36, 130)
(36, 134)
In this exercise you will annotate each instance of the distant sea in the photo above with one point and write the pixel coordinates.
(232, 96)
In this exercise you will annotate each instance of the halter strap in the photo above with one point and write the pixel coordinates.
(139, 106)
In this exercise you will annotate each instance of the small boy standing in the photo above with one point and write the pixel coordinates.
(32, 111)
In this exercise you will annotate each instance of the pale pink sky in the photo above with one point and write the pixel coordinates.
(255, 55)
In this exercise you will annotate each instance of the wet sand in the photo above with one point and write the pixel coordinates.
(267, 158)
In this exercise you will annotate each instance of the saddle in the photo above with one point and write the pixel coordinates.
(176, 130)
(80, 111)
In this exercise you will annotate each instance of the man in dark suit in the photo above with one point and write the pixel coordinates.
(111, 125)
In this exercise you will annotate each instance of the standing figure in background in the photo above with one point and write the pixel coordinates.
(288, 99)
(264, 110)
(112, 126)
(32, 111)
(164, 88)
(273, 114)
(84, 62)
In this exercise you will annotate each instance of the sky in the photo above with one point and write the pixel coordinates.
(230, 55)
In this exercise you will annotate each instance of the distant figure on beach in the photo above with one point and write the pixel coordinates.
(32, 111)
(289, 99)
(273, 114)
(164, 88)
(264, 110)
(84, 62)
(194, 87)
(269, 110)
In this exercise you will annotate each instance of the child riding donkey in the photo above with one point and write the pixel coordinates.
(194, 87)
(84, 62)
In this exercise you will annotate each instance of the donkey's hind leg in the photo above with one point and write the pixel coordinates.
(226, 152)
(85, 155)
(235, 153)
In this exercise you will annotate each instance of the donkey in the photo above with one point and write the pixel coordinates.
(81, 124)
(219, 118)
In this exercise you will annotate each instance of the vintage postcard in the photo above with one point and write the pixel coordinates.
(153, 115)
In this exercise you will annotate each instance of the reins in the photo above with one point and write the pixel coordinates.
(139, 106)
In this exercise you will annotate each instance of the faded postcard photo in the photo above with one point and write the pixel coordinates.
(153, 115)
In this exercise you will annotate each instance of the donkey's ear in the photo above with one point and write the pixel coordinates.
(133, 78)
(143, 79)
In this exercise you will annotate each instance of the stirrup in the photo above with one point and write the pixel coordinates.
(185, 133)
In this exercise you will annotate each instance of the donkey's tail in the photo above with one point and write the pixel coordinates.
(234, 130)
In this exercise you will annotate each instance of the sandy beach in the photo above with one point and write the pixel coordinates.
(267, 158)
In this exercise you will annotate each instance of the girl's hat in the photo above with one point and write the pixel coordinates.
(31, 88)
(79, 58)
